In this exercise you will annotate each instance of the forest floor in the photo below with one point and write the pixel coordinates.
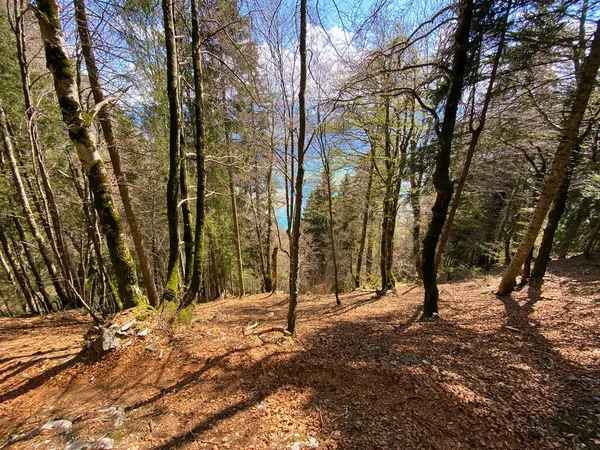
(518, 372)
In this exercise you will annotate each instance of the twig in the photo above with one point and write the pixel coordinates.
(246, 330)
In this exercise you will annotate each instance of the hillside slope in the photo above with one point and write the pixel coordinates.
(518, 372)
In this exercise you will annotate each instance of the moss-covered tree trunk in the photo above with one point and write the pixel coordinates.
(441, 176)
(172, 284)
(569, 135)
(113, 151)
(200, 144)
(83, 135)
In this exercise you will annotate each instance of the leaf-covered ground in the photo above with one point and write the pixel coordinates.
(517, 372)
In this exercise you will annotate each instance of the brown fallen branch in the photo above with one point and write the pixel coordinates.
(247, 330)
(281, 330)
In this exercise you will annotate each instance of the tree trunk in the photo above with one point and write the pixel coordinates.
(331, 236)
(274, 268)
(28, 213)
(236, 228)
(475, 135)
(568, 138)
(82, 134)
(113, 150)
(62, 251)
(386, 232)
(199, 144)
(441, 177)
(365, 219)
(172, 284)
(558, 208)
(186, 217)
(268, 271)
(295, 238)
(19, 276)
(33, 265)
(414, 197)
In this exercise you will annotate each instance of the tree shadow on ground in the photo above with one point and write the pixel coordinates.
(576, 415)
(393, 383)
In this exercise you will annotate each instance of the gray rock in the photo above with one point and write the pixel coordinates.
(128, 325)
(151, 346)
(106, 341)
(143, 333)
(91, 444)
(117, 413)
(58, 424)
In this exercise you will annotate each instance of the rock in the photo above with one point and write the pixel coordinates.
(58, 424)
(92, 444)
(143, 333)
(151, 346)
(310, 443)
(117, 413)
(106, 341)
(128, 325)
(127, 343)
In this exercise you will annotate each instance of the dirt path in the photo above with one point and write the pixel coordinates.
(519, 372)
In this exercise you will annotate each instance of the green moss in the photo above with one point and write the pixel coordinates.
(58, 62)
(123, 265)
(185, 315)
(49, 11)
(172, 286)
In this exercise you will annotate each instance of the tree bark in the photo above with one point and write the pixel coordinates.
(295, 235)
(274, 270)
(556, 211)
(268, 270)
(331, 236)
(172, 284)
(236, 227)
(365, 219)
(83, 136)
(200, 145)
(568, 138)
(441, 177)
(113, 150)
(388, 210)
